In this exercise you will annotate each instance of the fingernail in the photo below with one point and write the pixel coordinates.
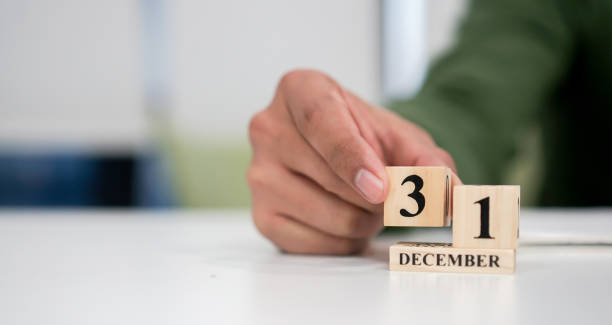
(370, 186)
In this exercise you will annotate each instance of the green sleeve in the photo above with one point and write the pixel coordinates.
(494, 84)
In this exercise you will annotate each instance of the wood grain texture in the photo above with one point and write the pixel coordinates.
(503, 222)
(438, 257)
(436, 191)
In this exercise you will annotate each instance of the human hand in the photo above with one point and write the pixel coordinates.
(317, 177)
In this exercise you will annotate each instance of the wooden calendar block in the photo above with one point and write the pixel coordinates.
(436, 257)
(418, 197)
(486, 216)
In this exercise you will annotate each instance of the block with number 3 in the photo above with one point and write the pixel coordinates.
(486, 216)
(418, 197)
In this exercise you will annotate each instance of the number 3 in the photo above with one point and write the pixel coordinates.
(416, 195)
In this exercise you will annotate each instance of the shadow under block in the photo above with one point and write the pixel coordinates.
(438, 257)
(418, 197)
(486, 216)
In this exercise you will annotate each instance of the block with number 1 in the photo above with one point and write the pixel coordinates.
(486, 216)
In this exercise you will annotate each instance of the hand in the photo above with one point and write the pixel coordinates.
(317, 177)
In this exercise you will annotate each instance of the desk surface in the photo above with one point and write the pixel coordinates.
(207, 267)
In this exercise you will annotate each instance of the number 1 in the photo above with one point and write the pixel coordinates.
(484, 218)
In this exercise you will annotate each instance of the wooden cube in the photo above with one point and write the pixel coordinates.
(437, 257)
(418, 197)
(486, 216)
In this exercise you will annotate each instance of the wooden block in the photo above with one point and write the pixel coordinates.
(437, 257)
(418, 197)
(486, 216)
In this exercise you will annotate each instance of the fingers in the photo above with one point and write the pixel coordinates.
(406, 144)
(294, 237)
(317, 170)
(322, 116)
(434, 157)
(275, 138)
(317, 177)
(289, 210)
(312, 166)
(437, 157)
(301, 199)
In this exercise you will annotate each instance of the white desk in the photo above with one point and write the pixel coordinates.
(91, 267)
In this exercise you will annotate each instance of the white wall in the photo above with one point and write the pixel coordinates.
(443, 19)
(70, 74)
(229, 55)
(72, 70)
(415, 32)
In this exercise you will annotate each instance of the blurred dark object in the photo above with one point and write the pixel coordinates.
(76, 180)
(67, 180)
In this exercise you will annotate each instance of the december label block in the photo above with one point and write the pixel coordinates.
(437, 257)
(418, 197)
(486, 216)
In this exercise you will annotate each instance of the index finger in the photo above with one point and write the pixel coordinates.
(321, 115)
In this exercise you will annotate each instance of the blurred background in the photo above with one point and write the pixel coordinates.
(145, 103)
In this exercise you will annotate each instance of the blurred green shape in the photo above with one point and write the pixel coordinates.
(211, 175)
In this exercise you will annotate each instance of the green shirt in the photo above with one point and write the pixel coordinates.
(520, 66)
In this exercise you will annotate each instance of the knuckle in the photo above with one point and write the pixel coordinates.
(316, 110)
(293, 76)
(421, 133)
(386, 136)
(265, 129)
(444, 154)
(297, 77)
(257, 126)
(256, 177)
(263, 224)
(417, 133)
